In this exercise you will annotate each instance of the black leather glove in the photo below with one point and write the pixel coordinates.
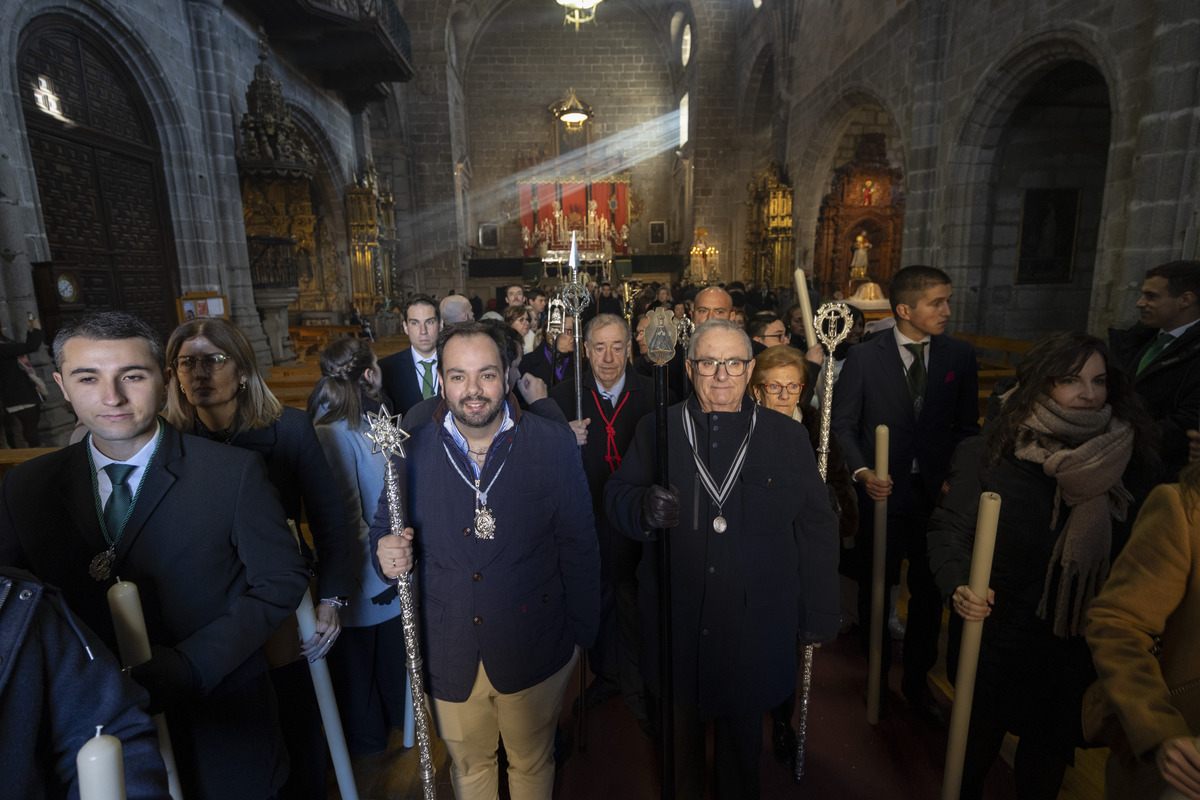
(168, 676)
(660, 508)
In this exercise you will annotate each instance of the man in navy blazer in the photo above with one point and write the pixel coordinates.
(509, 568)
(202, 535)
(929, 406)
(410, 376)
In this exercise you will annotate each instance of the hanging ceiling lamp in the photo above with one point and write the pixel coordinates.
(571, 111)
(579, 11)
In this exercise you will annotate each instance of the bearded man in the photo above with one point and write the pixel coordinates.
(509, 569)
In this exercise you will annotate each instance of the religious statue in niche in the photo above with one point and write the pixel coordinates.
(861, 225)
(858, 264)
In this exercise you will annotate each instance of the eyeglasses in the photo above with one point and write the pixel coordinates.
(776, 336)
(707, 367)
(212, 362)
(777, 388)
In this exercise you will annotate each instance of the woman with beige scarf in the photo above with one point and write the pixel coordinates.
(1056, 454)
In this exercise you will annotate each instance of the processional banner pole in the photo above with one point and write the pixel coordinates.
(576, 298)
(387, 438)
(661, 335)
(831, 326)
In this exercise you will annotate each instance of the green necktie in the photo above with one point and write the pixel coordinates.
(1159, 345)
(427, 379)
(916, 375)
(120, 501)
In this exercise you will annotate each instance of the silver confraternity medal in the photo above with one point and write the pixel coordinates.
(485, 523)
(101, 566)
(719, 524)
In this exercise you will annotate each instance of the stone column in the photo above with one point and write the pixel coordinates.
(230, 253)
(926, 134)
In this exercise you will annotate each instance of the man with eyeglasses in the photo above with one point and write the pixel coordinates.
(193, 523)
(765, 329)
(754, 549)
(410, 376)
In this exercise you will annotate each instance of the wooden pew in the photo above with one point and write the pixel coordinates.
(10, 458)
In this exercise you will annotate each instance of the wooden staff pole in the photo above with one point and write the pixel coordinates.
(878, 580)
(972, 635)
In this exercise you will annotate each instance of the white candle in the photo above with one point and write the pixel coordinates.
(100, 768)
(306, 618)
(810, 330)
(875, 651)
(130, 625)
(972, 635)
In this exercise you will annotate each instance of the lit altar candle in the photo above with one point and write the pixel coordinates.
(972, 635)
(100, 768)
(810, 332)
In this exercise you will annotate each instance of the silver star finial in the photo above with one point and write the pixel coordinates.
(385, 434)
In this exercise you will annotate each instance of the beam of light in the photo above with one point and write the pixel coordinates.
(591, 164)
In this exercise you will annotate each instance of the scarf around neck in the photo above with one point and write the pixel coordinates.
(1086, 452)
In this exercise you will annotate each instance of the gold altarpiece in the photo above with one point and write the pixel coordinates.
(864, 211)
(769, 240)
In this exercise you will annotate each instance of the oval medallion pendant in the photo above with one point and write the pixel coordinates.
(719, 524)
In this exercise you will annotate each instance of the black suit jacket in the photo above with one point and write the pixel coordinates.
(401, 382)
(217, 570)
(872, 390)
(1170, 387)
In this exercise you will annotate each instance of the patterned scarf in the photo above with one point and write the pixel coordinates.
(1086, 452)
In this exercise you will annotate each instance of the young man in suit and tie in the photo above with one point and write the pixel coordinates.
(1162, 356)
(923, 385)
(194, 523)
(410, 376)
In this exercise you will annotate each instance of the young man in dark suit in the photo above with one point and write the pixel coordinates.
(923, 385)
(410, 376)
(195, 524)
(1162, 356)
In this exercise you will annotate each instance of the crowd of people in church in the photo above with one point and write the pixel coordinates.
(533, 514)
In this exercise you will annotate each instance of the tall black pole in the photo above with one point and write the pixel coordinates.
(661, 335)
(666, 674)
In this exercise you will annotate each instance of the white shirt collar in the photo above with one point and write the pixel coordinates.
(418, 358)
(1182, 329)
(139, 461)
(615, 392)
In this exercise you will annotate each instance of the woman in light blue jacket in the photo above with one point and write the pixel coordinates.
(368, 665)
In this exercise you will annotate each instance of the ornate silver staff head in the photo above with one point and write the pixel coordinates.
(556, 313)
(833, 322)
(661, 336)
(686, 328)
(575, 294)
(385, 433)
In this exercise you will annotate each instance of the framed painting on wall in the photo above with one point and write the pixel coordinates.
(658, 233)
(1046, 239)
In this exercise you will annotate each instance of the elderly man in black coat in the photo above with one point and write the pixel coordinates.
(754, 551)
(613, 400)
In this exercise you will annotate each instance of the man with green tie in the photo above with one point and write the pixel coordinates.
(1162, 355)
(410, 376)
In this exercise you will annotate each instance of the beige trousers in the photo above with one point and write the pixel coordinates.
(527, 721)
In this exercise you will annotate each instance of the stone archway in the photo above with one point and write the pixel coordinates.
(98, 165)
(1038, 139)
